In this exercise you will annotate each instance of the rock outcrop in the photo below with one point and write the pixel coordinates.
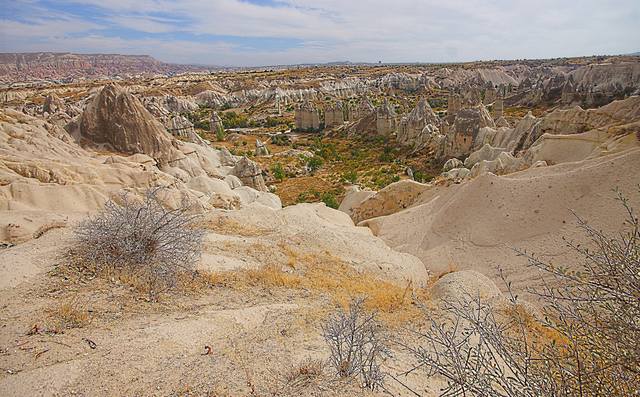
(250, 174)
(307, 117)
(386, 119)
(118, 119)
(418, 126)
(393, 198)
(334, 115)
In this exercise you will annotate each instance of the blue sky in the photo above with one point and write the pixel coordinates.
(265, 32)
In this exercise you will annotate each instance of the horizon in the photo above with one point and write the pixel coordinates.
(260, 33)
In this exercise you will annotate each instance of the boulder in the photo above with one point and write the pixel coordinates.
(456, 174)
(250, 174)
(393, 198)
(487, 152)
(261, 148)
(451, 164)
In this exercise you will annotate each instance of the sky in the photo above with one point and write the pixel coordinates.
(277, 32)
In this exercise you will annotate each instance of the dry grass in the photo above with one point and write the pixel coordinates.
(324, 274)
(228, 226)
(49, 226)
(68, 315)
(537, 331)
(303, 374)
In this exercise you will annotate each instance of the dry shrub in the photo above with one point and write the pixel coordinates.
(358, 343)
(586, 345)
(139, 241)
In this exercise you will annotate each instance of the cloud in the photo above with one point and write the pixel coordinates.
(263, 32)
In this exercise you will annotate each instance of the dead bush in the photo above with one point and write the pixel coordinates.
(357, 344)
(585, 345)
(142, 239)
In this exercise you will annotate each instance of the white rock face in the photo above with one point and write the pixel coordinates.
(451, 164)
(393, 198)
(486, 153)
(353, 198)
(417, 128)
(456, 174)
(315, 229)
(250, 174)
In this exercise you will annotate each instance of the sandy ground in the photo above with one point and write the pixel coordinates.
(125, 345)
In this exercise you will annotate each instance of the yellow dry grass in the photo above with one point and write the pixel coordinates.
(228, 226)
(324, 274)
(537, 331)
(70, 314)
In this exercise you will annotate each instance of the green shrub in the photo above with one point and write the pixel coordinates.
(278, 172)
(220, 134)
(330, 200)
(234, 120)
(314, 163)
(422, 177)
(387, 154)
(350, 176)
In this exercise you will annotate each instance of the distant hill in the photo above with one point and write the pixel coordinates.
(16, 67)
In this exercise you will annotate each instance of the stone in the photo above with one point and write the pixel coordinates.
(334, 115)
(456, 173)
(261, 148)
(250, 174)
(307, 117)
(487, 152)
(385, 119)
(451, 164)
(412, 132)
(52, 104)
(215, 123)
(497, 111)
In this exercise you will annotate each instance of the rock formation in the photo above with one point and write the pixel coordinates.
(118, 119)
(250, 174)
(215, 123)
(52, 104)
(385, 119)
(334, 115)
(261, 148)
(307, 117)
(466, 126)
(418, 126)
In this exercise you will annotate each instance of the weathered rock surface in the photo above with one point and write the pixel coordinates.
(412, 130)
(393, 198)
(118, 119)
(250, 174)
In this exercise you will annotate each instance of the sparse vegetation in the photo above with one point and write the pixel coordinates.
(314, 163)
(220, 134)
(357, 343)
(67, 315)
(585, 346)
(140, 239)
(278, 172)
(330, 200)
(350, 176)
